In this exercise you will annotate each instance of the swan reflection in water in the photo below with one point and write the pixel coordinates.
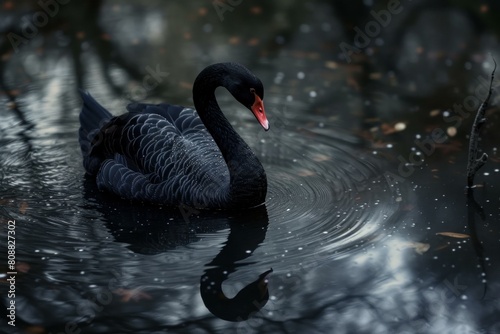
(143, 229)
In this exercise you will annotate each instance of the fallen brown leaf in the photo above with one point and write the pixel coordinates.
(23, 207)
(134, 294)
(454, 235)
(419, 247)
(22, 267)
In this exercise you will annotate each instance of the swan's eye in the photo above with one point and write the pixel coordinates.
(252, 90)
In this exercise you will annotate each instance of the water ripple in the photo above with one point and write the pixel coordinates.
(325, 200)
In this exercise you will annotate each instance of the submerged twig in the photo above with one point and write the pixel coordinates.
(475, 163)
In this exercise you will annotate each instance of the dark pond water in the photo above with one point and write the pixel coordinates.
(366, 225)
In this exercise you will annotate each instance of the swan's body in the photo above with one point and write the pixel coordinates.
(174, 155)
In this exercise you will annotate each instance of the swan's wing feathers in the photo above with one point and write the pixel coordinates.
(161, 153)
(184, 119)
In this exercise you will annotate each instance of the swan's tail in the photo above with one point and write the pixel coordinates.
(92, 117)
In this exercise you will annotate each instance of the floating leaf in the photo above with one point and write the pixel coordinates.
(132, 294)
(321, 157)
(454, 235)
(23, 207)
(419, 247)
(22, 267)
(331, 65)
(35, 330)
(306, 172)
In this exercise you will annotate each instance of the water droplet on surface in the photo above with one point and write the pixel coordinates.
(305, 28)
(400, 126)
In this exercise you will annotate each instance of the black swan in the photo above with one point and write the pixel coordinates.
(175, 155)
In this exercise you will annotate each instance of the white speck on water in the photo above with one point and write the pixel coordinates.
(389, 146)
(289, 98)
(400, 126)
(82, 272)
(312, 94)
(279, 78)
(486, 174)
(305, 28)
(301, 75)
(463, 297)
(486, 65)
(207, 28)
(248, 251)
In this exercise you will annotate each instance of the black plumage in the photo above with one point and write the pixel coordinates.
(174, 155)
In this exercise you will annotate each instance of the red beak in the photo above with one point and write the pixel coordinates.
(259, 112)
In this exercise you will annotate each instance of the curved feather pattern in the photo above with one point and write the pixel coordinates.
(159, 145)
(172, 155)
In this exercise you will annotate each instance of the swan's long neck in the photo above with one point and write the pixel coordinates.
(248, 183)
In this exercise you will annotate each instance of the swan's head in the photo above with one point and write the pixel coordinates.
(249, 91)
